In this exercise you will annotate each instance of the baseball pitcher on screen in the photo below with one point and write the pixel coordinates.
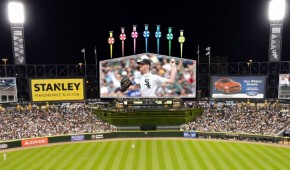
(149, 83)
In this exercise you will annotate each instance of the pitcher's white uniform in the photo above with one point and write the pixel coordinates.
(149, 83)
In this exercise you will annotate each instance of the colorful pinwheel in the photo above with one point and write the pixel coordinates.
(134, 35)
(111, 41)
(146, 35)
(122, 38)
(158, 36)
(169, 38)
(181, 40)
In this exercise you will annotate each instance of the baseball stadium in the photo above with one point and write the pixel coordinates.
(144, 111)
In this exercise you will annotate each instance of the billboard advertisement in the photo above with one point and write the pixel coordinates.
(34, 142)
(57, 89)
(284, 86)
(77, 137)
(150, 75)
(242, 87)
(189, 134)
(8, 90)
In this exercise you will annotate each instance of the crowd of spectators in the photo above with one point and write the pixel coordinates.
(240, 119)
(69, 119)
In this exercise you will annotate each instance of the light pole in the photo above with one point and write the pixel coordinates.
(250, 65)
(276, 15)
(16, 18)
(5, 62)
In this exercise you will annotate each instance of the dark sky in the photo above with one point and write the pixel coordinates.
(56, 30)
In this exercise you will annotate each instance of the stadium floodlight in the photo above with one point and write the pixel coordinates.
(276, 10)
(16, 12)
(276, 16)
(16, 18)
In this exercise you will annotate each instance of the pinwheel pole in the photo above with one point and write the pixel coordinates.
(181, 40)
(134, 35)
(111, 41)
(123, 38)
(169, 37)
(146, 35)
(158, 36)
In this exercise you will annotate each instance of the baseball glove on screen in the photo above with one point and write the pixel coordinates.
(125, 83)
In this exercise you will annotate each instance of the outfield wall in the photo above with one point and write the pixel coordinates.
(141, 134)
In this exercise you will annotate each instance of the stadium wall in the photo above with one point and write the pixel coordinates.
(141, 134)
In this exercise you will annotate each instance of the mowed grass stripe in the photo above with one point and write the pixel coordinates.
(50, 157)
(162, 163)
(32, 158)
(166, 153)
(14, 159)
(108, 156)
(142, 156)
(99, 154)
(225, 156)
(211, 149)
(251, 159)
(155, 155)
(92, 148)
(197, 155)
(119, 159)
(74, 155)
(179, 154)
(203, 155)
(137, 154)
(172, 155)
(131, 156)
(190, 155)
(81, 156)
(64, 150)
(236, 155)
(276, 156)
(284, 152)
(260, 154)
(148, 157)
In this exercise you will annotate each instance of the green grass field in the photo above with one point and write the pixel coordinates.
(155, 154)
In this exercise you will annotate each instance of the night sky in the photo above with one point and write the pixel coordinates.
(57, 30)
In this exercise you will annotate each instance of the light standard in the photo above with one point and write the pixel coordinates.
(5, 61)
(276, 15)
(249, 65)
(16, 18)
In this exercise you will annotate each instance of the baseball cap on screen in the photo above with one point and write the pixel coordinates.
(145, 61)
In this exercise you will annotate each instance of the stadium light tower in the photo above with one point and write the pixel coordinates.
(276, 16)
(16, 18)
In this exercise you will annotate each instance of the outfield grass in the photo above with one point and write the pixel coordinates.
(152, 154)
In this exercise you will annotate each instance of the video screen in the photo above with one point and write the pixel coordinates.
(284, 86)
(150, 76)
(238, 87)
(8, 90)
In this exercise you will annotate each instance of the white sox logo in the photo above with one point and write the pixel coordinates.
(147, 83)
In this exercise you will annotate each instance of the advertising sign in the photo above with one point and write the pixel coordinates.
(242, 87)
(77, 138)
(57, 89)
(34, 142)
(189, 134)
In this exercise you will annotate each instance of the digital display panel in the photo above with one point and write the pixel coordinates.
(242, 87)
(284, 86)
(158, 82)
(8, 90)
